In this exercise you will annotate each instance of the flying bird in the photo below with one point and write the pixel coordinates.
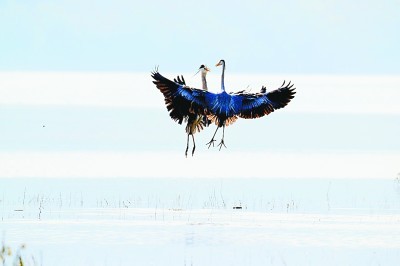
(221, 108)
(195, 122)
(225, 108)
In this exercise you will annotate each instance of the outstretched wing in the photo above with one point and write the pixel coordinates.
(256, 105)
(180, 100)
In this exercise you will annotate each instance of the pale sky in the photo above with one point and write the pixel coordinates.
(75, 89)
(278, 37)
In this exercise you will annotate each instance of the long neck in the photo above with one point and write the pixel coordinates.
(222, 77)
(203, 80)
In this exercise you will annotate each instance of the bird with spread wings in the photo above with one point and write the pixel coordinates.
(221, 108)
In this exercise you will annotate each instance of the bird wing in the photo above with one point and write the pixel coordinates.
(180, 100)
(180, 80)
(256, 105)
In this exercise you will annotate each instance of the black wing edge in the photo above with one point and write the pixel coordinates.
(282, 96)
(168, 88)
(180, 80)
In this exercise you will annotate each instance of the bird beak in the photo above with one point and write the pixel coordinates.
(219, 63)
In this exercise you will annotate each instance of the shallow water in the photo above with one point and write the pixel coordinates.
(253, 194)
(181, 221)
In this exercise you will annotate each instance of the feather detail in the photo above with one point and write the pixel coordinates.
(255, 105)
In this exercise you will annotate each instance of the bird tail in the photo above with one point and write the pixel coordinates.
(206, 122)
(196, 123)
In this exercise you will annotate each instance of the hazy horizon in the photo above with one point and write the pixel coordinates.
(112, 124)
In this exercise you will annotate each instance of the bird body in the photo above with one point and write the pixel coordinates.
(222, 106)
(196, 121)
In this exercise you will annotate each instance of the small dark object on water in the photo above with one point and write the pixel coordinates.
(237, 207)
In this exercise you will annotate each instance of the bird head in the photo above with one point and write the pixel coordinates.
(221, 62)
(204, 69)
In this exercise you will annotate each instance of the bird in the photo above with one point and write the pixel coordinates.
(226, 108)
(221, 108)
(195, 122)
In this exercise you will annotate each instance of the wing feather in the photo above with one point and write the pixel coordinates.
(180, 100)
(255, 105)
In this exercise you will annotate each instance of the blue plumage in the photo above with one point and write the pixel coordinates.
(223, 104)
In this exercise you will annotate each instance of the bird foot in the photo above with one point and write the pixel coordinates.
(211, 142)
(221, 143)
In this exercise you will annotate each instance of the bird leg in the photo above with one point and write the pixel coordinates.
(222, 140)
(187, 146)
(212, 140)
(194, 145)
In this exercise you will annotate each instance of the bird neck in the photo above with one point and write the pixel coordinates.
(223, 77)
(204, 81)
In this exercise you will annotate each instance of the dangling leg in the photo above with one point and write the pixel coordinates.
(222, 140)
(187, 146)
(194, 145)
(212, 140)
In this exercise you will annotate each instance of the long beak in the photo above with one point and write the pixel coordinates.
(197, 72)
(219, 63)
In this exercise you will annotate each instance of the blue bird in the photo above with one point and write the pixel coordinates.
(221, 108)
(226, 108)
